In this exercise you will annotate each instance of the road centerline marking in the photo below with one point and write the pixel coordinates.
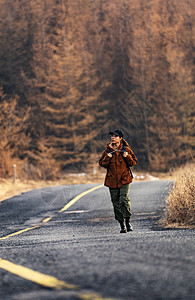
(19, 232)
(46, 220)
(47, 281)
(69, 204)
(75, 199)
(43, 279)
(35, 276)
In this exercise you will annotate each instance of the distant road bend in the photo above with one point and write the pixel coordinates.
(63, 243)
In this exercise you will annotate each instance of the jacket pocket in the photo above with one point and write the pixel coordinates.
(126, 178)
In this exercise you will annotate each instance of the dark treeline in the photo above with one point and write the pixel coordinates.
(72, 70)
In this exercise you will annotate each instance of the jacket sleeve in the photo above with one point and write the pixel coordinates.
(131, 159)
(104, 160)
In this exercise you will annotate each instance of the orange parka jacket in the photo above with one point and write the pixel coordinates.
(118, 173)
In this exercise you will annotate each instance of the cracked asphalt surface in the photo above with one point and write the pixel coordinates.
(83, 246)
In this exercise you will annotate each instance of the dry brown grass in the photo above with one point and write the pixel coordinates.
(180, 210)
(8, 189)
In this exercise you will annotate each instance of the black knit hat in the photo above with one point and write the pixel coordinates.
(117, 132)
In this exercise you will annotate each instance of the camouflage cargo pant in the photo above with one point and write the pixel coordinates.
(121, 202)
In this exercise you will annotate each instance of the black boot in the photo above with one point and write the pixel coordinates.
(128, 224)
(123, 229)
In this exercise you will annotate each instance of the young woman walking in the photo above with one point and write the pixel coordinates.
(117, 158)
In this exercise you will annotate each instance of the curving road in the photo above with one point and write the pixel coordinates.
(70, 234)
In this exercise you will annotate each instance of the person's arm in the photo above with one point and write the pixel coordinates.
(105, 159)
(130, 157)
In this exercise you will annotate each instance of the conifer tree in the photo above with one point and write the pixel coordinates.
(82, 68)
(13, 139)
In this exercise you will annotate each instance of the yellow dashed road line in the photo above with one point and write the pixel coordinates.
(92, 296)
(47, 220)
(69, 204)
(43, 279)
(78, 197)
(46, 280)
(34, 276)
(19, 232)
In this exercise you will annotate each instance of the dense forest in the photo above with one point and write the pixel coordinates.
(71, 71)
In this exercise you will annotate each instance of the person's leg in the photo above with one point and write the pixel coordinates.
(124, 202)
(115, 195)
(128, 224)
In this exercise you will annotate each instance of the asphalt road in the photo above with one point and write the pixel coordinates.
(81, 246)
